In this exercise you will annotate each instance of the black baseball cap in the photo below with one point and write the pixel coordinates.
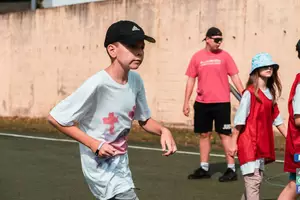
(213, 31)
(298, 48)
(126, 32)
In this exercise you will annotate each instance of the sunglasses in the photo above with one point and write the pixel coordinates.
(217, 40)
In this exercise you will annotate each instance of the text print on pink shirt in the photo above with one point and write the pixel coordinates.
(210, 62)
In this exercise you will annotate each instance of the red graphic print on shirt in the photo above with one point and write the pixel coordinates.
(131, 113)
(111, 120)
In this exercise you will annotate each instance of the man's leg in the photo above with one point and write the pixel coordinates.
(222, 114)
(203, 122)
(230, 174)
(204, 148)
(226, 140)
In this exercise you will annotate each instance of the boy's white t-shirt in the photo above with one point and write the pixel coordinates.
(105, 109)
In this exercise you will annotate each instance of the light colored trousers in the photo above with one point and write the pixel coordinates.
(252, 185)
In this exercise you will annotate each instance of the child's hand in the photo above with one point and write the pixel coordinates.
(167, 139)
(232, 149)
(106, 149)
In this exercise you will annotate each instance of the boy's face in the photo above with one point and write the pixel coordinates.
(129, 56)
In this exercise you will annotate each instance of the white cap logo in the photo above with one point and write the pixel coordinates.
(134, 28)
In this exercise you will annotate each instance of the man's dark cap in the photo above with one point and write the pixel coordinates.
(213, 31)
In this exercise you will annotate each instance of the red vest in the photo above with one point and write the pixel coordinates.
(292, 145)
(256, 139)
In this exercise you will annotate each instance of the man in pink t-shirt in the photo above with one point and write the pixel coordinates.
(212, 66)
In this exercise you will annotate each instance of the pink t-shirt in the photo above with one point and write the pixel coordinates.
(212, 70)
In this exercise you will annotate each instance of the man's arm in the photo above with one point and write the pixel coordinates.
(188, 92)
(154, 127)
(237, 83)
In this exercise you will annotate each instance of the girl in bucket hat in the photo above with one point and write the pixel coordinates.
(293, 138)
(253, 137)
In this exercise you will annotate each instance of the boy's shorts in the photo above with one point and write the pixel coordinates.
(292, 177)
(128, 195)
(207, 113)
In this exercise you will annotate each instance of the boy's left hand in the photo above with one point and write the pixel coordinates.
(167, 140)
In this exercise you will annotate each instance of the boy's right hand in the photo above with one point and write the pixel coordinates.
(106, 150)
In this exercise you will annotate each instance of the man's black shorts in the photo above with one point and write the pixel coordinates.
(206, 113)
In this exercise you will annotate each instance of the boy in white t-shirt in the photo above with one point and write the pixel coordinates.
(104, 107)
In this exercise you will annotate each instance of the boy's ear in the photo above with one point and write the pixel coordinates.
(112, 50)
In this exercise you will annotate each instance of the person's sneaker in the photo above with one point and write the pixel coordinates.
(228, 176)
(199, 173)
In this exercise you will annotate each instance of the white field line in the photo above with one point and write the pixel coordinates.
(130, 146)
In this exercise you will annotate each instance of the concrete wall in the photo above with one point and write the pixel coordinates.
(47, 54)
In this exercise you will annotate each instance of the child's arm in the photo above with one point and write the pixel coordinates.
(154, 127)
(239, 121)
(75, 108)
(234, 137)
(282, 129)
(297, 120)
(278, 122)
(78, 135)
(296, 106)
(143, 116)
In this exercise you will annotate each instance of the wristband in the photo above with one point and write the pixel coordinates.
(99, 147)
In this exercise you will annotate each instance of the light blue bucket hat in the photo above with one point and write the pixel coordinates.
(263, 60)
